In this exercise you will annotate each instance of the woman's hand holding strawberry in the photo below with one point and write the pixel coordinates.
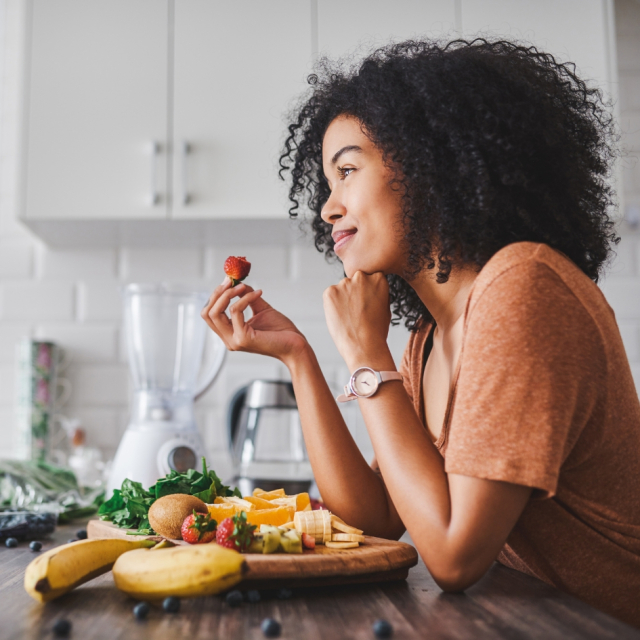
(267, 332)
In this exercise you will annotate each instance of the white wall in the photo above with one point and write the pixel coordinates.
(72, 296)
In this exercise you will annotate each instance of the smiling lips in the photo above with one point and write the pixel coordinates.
(342, 237)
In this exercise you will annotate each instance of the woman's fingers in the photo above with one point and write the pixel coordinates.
(236, 311)
(215, 312)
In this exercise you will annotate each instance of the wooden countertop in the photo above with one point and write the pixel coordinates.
(504, 604)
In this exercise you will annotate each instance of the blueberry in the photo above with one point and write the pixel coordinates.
(271, 628)
(35, 545)
(141, 610)
(72, 540)
(171, 604)
(253, 596)
(234, 598)
(382, 629)
(12, 543)
(62, 628)
(81, 534)
(284, 594)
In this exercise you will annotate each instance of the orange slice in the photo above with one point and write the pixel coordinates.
(274, 517)
(221, 511)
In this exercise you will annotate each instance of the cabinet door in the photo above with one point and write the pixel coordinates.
(97, 105)
(357, 26)
(237, 68)
(573, 30)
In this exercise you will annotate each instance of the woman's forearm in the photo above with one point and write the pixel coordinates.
(348, 485)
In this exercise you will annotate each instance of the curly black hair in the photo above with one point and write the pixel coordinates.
(490, 142)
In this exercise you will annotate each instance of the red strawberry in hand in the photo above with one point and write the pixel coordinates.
(235, 533)
(198, 528)
(237, 268)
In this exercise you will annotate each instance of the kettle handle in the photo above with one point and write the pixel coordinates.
(233, 415)
(212, 373)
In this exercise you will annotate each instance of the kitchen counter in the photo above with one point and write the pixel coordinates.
(504, 604)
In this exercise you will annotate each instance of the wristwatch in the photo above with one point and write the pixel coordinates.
(364, 383)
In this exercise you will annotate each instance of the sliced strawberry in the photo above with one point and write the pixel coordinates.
(308, 542)
(237, 268)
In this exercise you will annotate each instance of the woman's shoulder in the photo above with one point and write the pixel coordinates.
(525, 269)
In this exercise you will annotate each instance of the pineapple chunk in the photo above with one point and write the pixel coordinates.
(259, 503)
(243, 504)
(268, 495)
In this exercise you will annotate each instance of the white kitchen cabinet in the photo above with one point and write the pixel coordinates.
(358, 25)
(96, 103)
(207, 84)
(579, 31)
(237, 68)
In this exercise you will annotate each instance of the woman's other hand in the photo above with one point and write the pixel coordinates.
(358, 317)
(267, 332)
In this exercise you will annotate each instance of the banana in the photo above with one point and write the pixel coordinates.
(340, 525)
(346, 537)
(197, 570)
(314, 523)
(63, 568)
(341, 545)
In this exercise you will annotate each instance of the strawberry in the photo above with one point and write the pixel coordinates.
(235, 533)
(237, 268)
(308, 542)
(198, 528)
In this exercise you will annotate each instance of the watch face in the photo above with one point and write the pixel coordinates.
(364, 382)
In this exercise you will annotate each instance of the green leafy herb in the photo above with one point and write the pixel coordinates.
(129, 505)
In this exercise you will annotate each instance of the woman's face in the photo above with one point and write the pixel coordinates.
(364, 210)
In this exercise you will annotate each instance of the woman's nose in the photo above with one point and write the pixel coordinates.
(333, 209)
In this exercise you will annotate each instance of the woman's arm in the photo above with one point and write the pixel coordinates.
(459, 524)
(347, 484)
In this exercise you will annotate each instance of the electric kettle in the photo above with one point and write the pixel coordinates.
(265, 438)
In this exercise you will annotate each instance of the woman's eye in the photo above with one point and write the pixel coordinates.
(343, 172)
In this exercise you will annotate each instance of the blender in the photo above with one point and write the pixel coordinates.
(165, 343)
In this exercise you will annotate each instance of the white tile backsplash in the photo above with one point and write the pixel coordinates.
(37, 300)
(74, 298)
(100, 301)
(16, 259)
(83, 343)
(75, 265)
(10, 335)
(160, 264)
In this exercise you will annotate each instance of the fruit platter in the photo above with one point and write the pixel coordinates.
(190, 535)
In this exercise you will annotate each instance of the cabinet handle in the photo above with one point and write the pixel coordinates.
(154, 196)
(186, 150)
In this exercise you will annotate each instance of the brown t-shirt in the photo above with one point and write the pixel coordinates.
(543, 397)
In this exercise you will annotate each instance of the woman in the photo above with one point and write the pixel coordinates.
(465, 186)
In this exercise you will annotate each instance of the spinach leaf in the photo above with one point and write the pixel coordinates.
(129, 505)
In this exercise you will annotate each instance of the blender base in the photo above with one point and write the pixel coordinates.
(149, 451)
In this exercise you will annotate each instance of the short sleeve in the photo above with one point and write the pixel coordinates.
(530, 369)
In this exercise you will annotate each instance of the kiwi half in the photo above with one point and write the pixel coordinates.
(167, 514)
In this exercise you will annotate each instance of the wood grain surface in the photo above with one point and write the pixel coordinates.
(373, 561)
(504, 604)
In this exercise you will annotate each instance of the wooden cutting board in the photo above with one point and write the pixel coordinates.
(375, 560)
